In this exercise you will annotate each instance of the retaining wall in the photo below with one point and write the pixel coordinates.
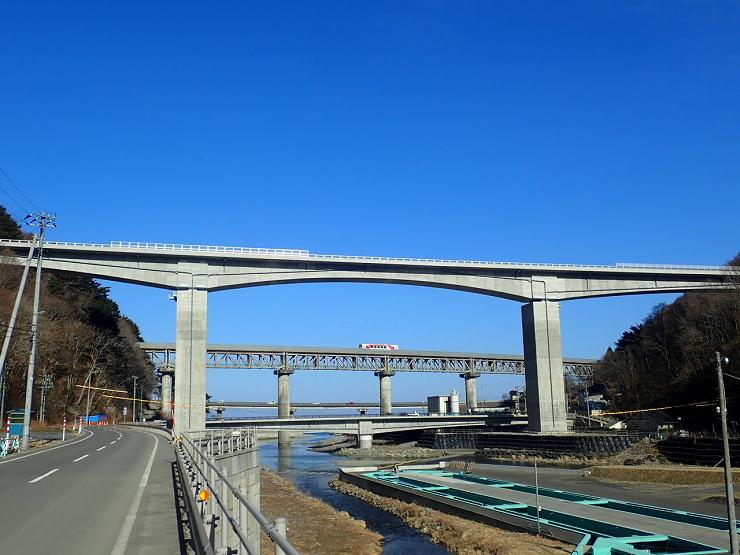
(702, 451)
(493, 442)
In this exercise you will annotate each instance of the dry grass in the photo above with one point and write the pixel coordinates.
(458, 535)
(314, 527)
(674, 474)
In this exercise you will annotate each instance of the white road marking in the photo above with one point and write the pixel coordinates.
(65, 444)
(112, 442)
(101, 448)
(121, 543)
(80, 458)
(43, 476)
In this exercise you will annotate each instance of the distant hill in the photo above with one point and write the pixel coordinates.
(668, 360)
(81, 328)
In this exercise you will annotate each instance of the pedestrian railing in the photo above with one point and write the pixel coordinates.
(209, 494)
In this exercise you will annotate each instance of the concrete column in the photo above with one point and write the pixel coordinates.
(471, 391)
(365, 434)
(283, 375)
(166, 395)
(543, 367)
(386, 405)
(366, 441)
(190, 364)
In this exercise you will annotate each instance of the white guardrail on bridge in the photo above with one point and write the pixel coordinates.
(210, 494)
(176, 247)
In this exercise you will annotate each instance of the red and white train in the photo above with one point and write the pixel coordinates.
(379, 346)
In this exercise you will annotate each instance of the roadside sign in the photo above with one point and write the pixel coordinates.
(125, 411)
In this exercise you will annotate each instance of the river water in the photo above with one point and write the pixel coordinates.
(311, 472)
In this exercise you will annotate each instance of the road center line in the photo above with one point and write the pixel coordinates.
(101, 448)
(43, 476)
(121, 543)
(80, 458)
(112, 442)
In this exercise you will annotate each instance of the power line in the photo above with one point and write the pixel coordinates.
(13, 183)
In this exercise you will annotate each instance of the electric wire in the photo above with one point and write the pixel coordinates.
(13, 183)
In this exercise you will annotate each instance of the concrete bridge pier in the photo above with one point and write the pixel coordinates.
(386, 405)
(471, 390)
(284, 411)
(191, 347)
(365, 434)
(166, 394)
(543, 367)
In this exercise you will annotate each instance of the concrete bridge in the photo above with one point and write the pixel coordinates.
(364, 427)
(195, 270)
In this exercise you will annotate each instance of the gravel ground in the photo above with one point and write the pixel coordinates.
(391, 452)
(644, 452)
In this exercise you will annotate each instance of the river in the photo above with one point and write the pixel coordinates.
(311, 472)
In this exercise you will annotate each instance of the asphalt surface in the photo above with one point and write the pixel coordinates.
(108, 491)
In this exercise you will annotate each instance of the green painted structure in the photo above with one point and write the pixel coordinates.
(598, 537)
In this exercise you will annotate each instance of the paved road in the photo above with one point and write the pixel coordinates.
(110, 491)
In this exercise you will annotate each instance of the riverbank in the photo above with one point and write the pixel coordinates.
(458, 535)
(314, 526)
(643, 452)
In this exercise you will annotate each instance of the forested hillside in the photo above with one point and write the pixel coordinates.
(669, 359)
(81, 329)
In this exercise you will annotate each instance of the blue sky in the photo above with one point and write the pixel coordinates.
(588, 132)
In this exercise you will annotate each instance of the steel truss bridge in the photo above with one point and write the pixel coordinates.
(283, 358)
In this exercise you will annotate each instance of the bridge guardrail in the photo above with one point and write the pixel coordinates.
(355, 258)
(315, 416)
(195, 453)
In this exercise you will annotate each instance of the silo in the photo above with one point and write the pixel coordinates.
(454, 402)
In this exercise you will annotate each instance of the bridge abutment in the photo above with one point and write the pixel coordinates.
(191, 346)
(386, 404)
(543, 366)
(471, 391)
(283, 375)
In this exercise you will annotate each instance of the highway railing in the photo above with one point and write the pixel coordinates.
(210, 494)
(175, 247)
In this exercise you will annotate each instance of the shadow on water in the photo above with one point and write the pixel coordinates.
(311, 472)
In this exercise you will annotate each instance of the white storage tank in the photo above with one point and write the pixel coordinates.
(454, 402)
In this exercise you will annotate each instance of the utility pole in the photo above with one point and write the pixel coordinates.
(47, 382)
(88, 382)
(42, 221)
(728, 466)
(133, 412)
(11, 325)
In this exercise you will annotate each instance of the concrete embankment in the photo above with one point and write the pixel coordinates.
(314, 526)
(458, 535)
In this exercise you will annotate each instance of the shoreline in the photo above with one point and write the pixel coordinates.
(309, 519)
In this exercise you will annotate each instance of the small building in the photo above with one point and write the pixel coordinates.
(443, 404)
(651, 422)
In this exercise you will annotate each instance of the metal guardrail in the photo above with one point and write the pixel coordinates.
(353, 258)
(206, 248)
(195, 453)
